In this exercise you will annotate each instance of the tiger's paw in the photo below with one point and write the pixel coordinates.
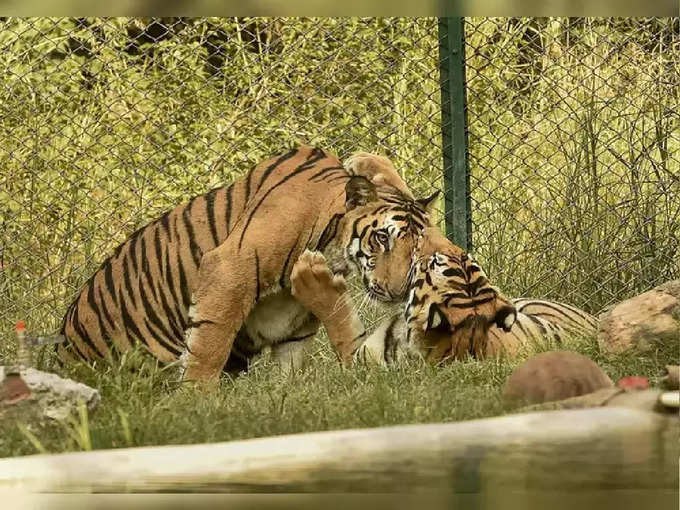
(315, 285)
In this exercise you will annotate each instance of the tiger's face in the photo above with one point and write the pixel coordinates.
(383, 227)
(451, 304)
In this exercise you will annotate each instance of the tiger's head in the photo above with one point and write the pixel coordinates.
(382, 225)
(451, 304)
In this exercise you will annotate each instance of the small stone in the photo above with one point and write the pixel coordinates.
(13, 389)
(51, 397)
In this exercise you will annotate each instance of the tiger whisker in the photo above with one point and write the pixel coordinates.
(360, 306)
(337, 307)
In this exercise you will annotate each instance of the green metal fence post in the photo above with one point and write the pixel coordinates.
(457, 215)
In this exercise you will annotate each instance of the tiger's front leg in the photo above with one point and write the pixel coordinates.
(221, 302)
(325, 295)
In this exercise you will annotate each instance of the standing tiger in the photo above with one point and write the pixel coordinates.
(452, 311)
(216, 269)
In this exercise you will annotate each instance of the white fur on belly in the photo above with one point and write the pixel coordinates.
(276, 317)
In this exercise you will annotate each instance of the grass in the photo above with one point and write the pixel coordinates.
(143, 404)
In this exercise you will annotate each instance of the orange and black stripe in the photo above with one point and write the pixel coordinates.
(142, 292)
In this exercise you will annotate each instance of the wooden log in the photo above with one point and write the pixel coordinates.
(642, 400)
(574, 450)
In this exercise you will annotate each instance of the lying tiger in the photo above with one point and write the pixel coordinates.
(452, 311)
(215, 272)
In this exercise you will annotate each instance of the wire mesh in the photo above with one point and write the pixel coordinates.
(107, 122)
(574, 147)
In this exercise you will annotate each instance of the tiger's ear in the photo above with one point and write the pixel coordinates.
(505, 318)
(427, 203)
(436, 319)
(359, 191)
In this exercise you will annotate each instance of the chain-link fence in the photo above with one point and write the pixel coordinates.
(573, 137)
(574, 154)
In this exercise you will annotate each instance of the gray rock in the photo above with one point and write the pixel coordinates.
(52, 397)
(643, 322)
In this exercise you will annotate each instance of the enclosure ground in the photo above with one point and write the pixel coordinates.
(142, 404)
